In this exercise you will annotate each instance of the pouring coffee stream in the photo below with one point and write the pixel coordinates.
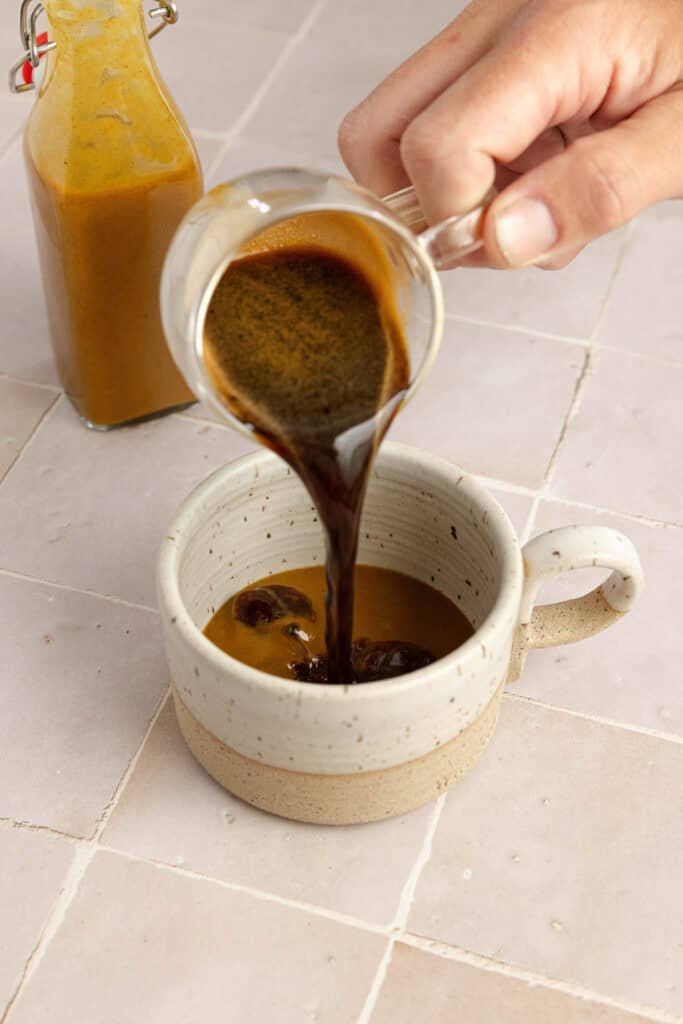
(304, 341)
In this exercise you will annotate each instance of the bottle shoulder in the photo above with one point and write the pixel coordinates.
(101, 128)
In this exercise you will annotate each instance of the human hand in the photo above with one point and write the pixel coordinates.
(574, 108)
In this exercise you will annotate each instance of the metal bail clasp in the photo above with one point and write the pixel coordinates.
(167, 10)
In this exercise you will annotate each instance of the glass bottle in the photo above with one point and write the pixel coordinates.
(112, 171)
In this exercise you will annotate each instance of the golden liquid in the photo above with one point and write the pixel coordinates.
(389, 606)
(112, 170)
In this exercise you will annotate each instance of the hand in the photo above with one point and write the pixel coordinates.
(573, 107)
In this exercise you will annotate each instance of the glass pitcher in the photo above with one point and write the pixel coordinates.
(281, 207)
(112, 170)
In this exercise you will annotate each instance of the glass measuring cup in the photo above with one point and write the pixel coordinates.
(273, 208)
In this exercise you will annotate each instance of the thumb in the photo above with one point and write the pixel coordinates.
(598, 183)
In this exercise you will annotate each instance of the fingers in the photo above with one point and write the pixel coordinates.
(369, 137)
(539, 75)
(599, 183)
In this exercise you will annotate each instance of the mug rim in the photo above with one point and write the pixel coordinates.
(183, 526)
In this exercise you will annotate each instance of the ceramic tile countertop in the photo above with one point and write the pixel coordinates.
(546, 887)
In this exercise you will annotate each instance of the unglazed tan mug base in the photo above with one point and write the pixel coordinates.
(340, 799)
(344, 754)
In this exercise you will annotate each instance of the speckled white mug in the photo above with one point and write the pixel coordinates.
(351, 754)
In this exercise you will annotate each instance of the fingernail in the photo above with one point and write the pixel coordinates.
(525, 231)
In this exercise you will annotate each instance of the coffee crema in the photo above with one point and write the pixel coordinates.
(305, 347)
(399, 625)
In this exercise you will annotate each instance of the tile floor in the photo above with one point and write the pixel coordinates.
(547, 886)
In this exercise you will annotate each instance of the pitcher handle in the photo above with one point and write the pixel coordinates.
(450, 240)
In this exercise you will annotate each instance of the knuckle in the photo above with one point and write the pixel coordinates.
(351, 136)
(421, 148)
(605, 181)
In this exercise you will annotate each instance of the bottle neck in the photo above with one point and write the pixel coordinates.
(98, 27)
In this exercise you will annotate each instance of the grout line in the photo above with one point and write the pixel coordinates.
(206, 133)
(29, 383)
(564, 339)
(377, 983)
(265, 897)
(586, 371)
(430, 946)
(532, 332)
(28, 578)
(47, 415)
(27, 826)
(541, 494)
(532, 979)
(574, 405)
(612, 723)
(402, 911)
(113, 801)
(628, 234)
(530, 521)
(83, 855)
(408, 894)
(42, 418)
(9, 142)
(287, 50)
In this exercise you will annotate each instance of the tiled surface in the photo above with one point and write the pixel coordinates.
(630, 673)
(171, 812)
(215, 70)
(24, 343)
(566, 302)
(80, 680)
(178, 949)
(420, 987)
(502, 398)
(100, 502)
(623, 450)
(557, 863)
(558, 854)
(32, 867)
(643, 313)
(22, 407)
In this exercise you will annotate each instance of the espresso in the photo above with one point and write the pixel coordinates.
(399, 625)
(301, 345)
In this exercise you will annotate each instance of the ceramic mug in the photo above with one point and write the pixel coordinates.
(344, 754)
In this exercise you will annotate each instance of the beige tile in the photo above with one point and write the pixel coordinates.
(325, 76)
(561, 852)
(643, 313)
(146, 946)
(272, 15)
(213, 74)
(80, 680)
(89, 509)
(13, 112)
(517, 506)
(208, 149)
(422, 987)
(171, 811)
(22, 407)
(566, 302)
(32, 866)
(495, 402)
(355, 20)
(246, 154)
(24, 341)
(632, 672)
(622, 451)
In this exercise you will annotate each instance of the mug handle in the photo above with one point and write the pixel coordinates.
(562, 550)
